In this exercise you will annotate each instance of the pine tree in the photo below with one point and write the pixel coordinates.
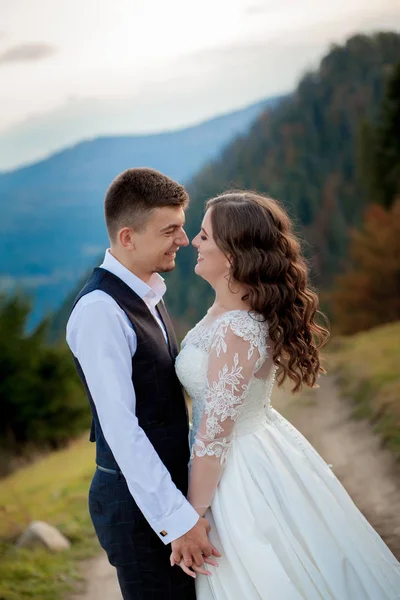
(380, 154)
(41, 400)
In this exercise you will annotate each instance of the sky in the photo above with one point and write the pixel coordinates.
(78, 69)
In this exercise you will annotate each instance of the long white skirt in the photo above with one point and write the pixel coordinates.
(288, 530)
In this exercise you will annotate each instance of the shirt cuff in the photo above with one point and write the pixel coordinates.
(178, 523)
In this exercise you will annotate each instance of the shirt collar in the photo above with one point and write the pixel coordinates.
(151, 293)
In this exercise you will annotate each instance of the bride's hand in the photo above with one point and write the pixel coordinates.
(194, 568)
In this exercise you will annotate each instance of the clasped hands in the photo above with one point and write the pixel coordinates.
(192, 550)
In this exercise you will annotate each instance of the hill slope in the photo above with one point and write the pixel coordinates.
(367, 365)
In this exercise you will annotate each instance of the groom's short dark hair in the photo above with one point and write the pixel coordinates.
(135, 193)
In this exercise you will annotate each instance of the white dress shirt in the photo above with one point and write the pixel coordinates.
(103, 340)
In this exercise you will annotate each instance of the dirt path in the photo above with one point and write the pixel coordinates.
(100, 580)
(368, 472)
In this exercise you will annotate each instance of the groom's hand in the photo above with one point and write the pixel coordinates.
(194, 545)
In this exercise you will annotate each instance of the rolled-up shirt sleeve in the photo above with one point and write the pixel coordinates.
(99, 341)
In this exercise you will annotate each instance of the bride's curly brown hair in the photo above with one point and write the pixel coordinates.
(256, 234)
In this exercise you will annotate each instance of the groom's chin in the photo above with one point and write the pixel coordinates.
(167, 268)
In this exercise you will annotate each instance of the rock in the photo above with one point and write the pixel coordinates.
(42, 534)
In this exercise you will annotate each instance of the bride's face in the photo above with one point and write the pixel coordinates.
(212, 264)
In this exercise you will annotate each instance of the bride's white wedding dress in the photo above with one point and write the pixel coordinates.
(285, 525)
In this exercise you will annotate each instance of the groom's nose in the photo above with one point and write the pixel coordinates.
(183, 239)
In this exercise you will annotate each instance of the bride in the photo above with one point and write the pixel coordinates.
(286, 527)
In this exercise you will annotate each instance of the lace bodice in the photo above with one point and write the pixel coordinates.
(225, 366)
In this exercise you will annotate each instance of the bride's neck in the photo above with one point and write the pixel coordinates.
(229, 297)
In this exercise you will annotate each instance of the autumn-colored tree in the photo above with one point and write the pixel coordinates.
(368, 293)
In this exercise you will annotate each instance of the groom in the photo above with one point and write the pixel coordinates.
(124, 348)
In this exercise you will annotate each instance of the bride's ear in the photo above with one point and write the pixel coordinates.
(229, 262)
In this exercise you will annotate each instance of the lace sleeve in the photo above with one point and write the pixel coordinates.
(235, 355)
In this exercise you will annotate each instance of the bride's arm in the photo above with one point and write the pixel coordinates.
(232, 363)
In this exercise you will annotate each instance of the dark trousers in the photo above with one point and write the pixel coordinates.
(139, 556)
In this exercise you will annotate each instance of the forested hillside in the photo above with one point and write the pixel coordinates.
(311, 152)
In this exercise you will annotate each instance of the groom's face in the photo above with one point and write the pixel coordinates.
(157, 244)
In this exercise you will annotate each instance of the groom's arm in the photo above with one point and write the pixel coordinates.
(104, 344)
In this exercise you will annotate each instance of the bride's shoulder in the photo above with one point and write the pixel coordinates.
(248, 325)
(244, 322)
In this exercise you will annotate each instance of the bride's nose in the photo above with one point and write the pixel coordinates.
(194, 242)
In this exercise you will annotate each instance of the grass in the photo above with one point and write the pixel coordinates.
(367, 365)
(54, 490)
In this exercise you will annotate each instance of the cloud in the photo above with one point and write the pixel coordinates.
(198, 87)
(27, 52)
(261, 7)
(189, 88)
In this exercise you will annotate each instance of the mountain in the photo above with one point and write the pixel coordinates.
(52, 226)
(307, 153)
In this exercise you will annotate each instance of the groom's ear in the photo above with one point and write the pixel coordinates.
(126, 238)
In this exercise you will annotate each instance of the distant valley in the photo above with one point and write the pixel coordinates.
(52, 228)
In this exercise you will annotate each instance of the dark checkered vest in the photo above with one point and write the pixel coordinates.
(160, 404)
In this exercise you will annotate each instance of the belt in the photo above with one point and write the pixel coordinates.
(112, 471)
